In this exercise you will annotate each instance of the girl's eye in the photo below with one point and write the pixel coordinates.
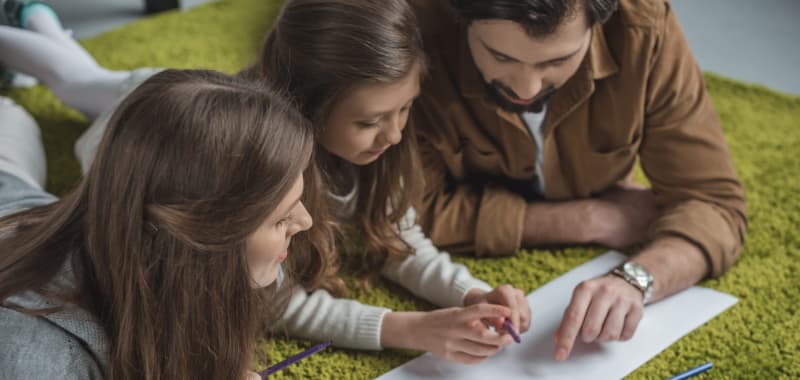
(367, 124)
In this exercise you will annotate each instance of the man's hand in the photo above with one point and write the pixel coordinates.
(508, 296)
(620, 217)
(602, 309)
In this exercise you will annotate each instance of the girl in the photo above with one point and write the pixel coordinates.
(159, 264)
(353, 67)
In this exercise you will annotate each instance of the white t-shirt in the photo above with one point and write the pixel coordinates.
(535, 121)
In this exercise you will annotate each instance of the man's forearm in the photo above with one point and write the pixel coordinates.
(675, 263)
(556, 223)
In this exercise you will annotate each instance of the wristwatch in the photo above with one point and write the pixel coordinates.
(636, 275)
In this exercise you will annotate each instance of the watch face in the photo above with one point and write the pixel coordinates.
(638, 272)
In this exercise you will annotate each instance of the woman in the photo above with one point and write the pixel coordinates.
(159, 264)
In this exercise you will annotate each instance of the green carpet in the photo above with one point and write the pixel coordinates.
(759, 338)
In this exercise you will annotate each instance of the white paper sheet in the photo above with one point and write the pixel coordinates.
(663, 323)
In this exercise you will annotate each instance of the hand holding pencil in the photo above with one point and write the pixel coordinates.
(510, 297)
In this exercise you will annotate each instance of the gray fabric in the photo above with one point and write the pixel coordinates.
(68, 344)
(59, 346)
(17, 195)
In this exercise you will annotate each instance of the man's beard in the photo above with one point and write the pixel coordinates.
(497, 90)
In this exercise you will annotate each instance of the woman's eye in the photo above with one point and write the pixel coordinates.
(284, 222)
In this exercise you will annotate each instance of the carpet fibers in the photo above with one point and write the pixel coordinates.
(758, 338)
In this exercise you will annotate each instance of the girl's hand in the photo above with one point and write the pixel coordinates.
(456, 333)
(508, 296)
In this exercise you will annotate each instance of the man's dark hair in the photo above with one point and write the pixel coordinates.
(538, 17)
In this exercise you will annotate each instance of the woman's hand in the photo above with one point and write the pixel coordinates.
(456, 333)
(508, 296)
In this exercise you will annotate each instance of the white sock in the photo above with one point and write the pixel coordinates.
(74, 77)
(21, 149)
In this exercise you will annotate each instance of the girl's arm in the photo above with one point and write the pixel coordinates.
(455, 333)
(429, 273)
(319, 316)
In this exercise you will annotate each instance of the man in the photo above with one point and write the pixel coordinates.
(533, 116)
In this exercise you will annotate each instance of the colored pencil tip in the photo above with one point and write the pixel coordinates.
(507, 325)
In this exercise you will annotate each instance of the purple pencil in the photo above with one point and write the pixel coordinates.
(293, 359)
(510, 329)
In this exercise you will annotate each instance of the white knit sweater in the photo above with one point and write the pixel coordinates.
(428, 273)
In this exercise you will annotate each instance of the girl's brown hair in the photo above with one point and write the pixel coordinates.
(318, 51)
(190, 166)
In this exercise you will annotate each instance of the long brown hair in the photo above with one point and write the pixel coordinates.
(318, 51)
(191, 164)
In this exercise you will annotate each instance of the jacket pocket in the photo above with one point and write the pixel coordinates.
(481, 159)
(603, 169)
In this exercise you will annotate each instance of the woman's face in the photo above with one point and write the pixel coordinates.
(268, 246)
(369, 119)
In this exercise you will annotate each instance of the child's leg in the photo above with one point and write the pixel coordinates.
(22, 161)
(41, 18)
(21, 150)
(74, 77)
(86, 146)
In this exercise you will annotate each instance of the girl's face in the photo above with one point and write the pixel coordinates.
(268, 246)
(369, 119)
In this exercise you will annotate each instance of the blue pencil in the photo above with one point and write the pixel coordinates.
(293, 359)
(692, 372)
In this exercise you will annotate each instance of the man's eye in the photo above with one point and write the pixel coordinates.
(501, 58)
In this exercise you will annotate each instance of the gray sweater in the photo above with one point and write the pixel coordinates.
(66, 345)
(69, 344)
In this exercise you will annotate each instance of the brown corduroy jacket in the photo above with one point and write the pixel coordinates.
(638, 94)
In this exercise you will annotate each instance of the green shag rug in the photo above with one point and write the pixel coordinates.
(759, 338)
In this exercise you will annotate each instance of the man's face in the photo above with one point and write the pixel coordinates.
(522, 72)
